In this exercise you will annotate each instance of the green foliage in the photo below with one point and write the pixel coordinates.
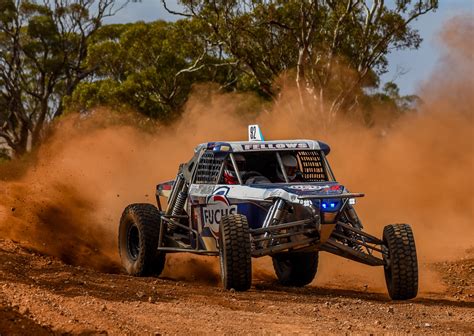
(388, 104)
(4, 155)
(57, 53)
(337, 48)
(43, 47)
(148, 67)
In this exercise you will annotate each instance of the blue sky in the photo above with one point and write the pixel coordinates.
(416, 65)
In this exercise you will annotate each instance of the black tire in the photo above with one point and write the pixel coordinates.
(235, 253)
(401, 271)
(138, 240)
(296, 269)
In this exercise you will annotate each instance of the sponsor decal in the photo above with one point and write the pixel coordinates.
(256, 146)
(308, 187)
(336, 187)
(323, 188)
(217, 206)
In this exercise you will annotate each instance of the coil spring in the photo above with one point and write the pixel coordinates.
(178, 208)
(179, 204)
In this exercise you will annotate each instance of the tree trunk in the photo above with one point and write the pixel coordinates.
(300, 77)
(20, 147)
(36, 136)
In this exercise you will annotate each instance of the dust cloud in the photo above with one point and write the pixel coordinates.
(69, 200)
(418, 171)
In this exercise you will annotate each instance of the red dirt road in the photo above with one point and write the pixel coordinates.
(40, 295)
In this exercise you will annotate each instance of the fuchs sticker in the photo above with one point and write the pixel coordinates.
(217, 207)
(256, 146)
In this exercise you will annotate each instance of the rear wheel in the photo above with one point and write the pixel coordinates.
(138, 240)
(401, 269)
(296, 269)
(234, 252)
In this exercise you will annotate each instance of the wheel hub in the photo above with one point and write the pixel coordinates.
(133, 242)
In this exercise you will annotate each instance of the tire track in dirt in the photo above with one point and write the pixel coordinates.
(45, 296)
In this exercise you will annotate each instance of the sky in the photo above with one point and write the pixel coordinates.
(408, 68)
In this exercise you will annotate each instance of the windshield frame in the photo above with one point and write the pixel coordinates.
(325, 166)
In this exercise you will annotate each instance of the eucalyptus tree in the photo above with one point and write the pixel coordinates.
(150, 68)
(43, 48)
(333, 48)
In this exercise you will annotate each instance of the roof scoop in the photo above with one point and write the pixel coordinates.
(255, 134)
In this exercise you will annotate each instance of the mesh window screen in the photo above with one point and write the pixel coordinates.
(208, 169)
(312, 166)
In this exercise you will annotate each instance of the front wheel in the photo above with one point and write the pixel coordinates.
(138, 240)
(296, 269)
(235, 253)
(401, 268)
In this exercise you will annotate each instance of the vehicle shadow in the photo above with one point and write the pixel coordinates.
(316, 291)
(21, 265)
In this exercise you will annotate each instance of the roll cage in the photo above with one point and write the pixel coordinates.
(343, 234)
(207, 167)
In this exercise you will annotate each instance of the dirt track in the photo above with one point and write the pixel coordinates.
(41, 295)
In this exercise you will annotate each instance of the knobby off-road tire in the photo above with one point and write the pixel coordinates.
(138, 240)
(401, 272)
(296, 269)
(235, 253)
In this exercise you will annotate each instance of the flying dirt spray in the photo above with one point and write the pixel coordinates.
(68, 202)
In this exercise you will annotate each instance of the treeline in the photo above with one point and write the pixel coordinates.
(57, 55)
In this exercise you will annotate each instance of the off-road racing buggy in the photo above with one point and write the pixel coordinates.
(260, 215)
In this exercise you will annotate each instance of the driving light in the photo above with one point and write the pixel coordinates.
(330, 205)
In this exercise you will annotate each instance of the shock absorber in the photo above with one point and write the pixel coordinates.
(178, 208)
(280, 212)
(177, 187)
(177, 199)
(353, 217)
(276, 214)
(179, 203)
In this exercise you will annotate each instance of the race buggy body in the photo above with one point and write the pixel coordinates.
(261, 215)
